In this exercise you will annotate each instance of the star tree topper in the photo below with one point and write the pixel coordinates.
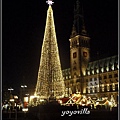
(49, 2)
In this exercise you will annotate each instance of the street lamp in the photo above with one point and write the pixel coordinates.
(23, 90)
(23, 86)
(11, 100)
(10, 89)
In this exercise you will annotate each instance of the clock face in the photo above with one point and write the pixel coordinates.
(85, 54)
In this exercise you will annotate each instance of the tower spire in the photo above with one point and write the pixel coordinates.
(50, 83)
(79, 19)
(74, 33)
(83, 30)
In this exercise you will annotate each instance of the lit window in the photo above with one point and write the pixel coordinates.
(112, 67)
(102, 87)
(88, 72)
(102, 69)
(97, 71)
(107, 68)
(92, 71)
(84, 73)
(108, 87)
(70, 76)
(97, 88)
(113, 87)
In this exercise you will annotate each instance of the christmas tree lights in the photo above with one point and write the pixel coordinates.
(50, 83)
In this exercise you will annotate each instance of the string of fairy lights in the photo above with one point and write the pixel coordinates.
(50, 81)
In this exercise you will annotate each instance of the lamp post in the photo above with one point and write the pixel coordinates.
(23, 91)
(10, 89)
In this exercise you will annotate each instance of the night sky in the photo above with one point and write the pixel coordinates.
(23, 25)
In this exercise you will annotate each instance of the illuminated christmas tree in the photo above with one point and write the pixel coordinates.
(50, 83)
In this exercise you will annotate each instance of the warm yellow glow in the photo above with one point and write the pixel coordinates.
(108, 87)
(112, 67)
(84, 96)
(88, 72)
(84, 73)
(97, 103)
(113, 86)
(97, 71)
(25, 99)
(25, 109)
(15, 97)
(92, 71)
(102, 87)
(41, 100)
(12, 100)
(102, 69)
(32, 97)
(98, 89)
(50, 81)
(110, 103)
(107, 68)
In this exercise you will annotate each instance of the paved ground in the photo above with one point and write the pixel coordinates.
(54, 113)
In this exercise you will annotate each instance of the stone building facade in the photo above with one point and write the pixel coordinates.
(93, 78)
(100, 79)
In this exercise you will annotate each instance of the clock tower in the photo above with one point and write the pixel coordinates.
(79, 49)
